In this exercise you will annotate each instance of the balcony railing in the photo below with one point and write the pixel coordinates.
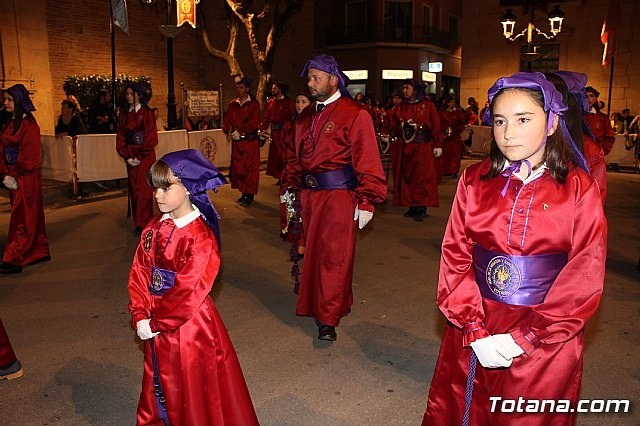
(391, 34)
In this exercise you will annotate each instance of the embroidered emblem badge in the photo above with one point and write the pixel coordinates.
(311, 181)
(503, 276)
(148, 236)
(157, 281)
(329, 127)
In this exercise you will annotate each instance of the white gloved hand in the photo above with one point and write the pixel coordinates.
(235, 135)
(144, 330)
(384, 138)
(490, 353)
(507, 342)
(133, 162)
(10, 182)
(437, 152)
(362, 216)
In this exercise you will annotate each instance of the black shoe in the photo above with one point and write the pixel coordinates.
(138, 230)
(327, 332)
(10, 268)
(410, 213)
(241, 199)
(421, 215)
(11, 371)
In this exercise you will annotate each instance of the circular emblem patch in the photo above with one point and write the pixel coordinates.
(503, 276)
(156, 280)
(311, 181)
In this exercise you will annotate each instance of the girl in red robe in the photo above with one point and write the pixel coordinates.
(191, 372)
(522, 269)
(27, 241)
(136, 143)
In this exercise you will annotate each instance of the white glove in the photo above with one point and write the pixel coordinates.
(10, 182)
(362, 216)
(235, 135)
(144, 330)
(507, 342)
(133, 162)
(490, 353)
(437, 152)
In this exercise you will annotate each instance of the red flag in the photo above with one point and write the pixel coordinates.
(608, 37)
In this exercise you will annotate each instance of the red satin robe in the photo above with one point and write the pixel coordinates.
(342, 135)
(27, 239)
(600, 126)
(140, 193)
(245, 153)
(594, 155)
(276, 114)
(199, 369)
(7, 356)
(539, 217)
(452, 123)
(415, 180)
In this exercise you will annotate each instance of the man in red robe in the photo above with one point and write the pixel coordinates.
(416, 126)
(598, 122)
(136, 143)
(241, 123)
(336, 168)
(20, 171)
(279, 110)
(452, 122)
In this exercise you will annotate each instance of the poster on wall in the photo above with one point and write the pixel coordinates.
(203, 102)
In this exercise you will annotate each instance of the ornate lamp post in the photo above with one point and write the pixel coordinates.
(508, 20)
(171, 31)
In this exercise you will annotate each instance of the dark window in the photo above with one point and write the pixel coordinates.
(545, 58)
(426, 20)
(454, 30)
(398, 20)
(356, 17)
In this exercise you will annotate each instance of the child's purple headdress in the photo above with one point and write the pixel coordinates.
(553, 104)
(198, 175)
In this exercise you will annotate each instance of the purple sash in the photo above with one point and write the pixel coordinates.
(11, 154)
(135, 137)
(516, 280)
(161, 280)
(344, 178)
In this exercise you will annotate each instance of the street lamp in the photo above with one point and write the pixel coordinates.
(508, 21)
(170, 31)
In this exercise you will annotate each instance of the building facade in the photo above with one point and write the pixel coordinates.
(487, 55)
(382, 42)
(43, 41)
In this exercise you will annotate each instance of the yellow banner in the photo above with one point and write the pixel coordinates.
(186, 12)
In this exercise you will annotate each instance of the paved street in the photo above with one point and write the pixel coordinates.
(69, 324)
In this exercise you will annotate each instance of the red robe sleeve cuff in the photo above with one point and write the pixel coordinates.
(364, 205)
(472, 332)
(526, 339)
(135, 318)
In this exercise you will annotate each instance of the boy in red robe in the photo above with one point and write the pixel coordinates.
(191, 372)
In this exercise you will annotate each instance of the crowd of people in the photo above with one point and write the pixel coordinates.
(527, 229)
